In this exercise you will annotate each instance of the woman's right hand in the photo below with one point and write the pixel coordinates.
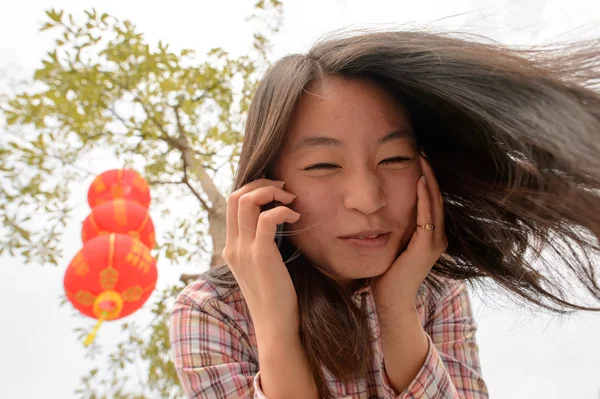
(254, 259)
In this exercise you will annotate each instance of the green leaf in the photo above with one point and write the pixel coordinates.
(54, 15)
(47, 25)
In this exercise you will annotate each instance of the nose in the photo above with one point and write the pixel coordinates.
(365, 193)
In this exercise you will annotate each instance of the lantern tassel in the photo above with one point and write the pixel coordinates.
(90, 337)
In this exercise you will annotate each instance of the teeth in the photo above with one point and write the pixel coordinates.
(363, 237)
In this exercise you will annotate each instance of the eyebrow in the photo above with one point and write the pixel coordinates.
(318, 141)
(395, 135)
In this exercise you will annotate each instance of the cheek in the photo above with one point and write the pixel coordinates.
(402, 206)
(315, 208)
(401, 191)
(317, 223)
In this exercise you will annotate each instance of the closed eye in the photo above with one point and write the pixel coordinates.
(326, 166)
(395, 160)
(321, 166)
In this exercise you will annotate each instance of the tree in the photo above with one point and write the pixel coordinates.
(173, 116)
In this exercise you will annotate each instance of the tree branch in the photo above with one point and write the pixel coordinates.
(189, 158)
(205, 92)
(160, 182)
(187, 182)
(165, 136)
(180, 128)
(125, 123)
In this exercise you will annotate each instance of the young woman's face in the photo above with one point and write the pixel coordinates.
(351, 160)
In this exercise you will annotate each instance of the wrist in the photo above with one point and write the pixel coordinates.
(285, 372)
(273, 331)
(399, 309)
(395, 295)
(273, 348)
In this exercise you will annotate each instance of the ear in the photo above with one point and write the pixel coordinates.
(269, 172)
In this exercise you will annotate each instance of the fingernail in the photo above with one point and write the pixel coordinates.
(293, 218)
(280, 183)
(424, 180)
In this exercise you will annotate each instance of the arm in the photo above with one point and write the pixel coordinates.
(284, 371)
(214, 357)
(451, 368)
(404, 343)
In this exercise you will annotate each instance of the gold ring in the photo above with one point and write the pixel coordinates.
(427, 226)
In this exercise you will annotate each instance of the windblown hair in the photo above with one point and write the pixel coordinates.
(513, 136)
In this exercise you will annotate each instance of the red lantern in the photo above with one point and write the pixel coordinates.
(111, 277)
(120, 216)
(119, 183)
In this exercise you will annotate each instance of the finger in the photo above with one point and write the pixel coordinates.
(267, 224)
(435, 195)
(232, 231)
(432, 182)
(249, 209)
(424, 211)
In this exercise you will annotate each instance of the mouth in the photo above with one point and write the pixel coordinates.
(367, 239)
(366, 234)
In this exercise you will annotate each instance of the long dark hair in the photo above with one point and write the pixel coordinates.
(513, 136)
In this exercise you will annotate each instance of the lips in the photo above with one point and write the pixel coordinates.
(367, 240)
(366, 234)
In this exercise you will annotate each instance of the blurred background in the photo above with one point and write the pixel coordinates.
(92, 92)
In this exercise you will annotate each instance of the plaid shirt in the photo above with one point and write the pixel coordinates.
(215, 352)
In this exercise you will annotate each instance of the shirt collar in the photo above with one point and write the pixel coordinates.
(364, 288)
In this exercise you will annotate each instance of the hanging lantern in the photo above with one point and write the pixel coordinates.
(111, 277)
(120, 216)
(119, 183)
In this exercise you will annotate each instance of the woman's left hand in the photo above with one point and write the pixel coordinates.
(398, 286)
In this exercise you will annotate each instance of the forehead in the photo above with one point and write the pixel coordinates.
(342, 107)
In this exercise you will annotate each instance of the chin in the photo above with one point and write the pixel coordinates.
(382, 269)
(368, 270)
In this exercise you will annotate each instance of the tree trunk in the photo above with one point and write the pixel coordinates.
(218, 232)
(217, 214)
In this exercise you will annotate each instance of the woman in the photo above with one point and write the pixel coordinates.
(404, 165)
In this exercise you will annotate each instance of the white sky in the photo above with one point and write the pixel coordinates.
(524, 354)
